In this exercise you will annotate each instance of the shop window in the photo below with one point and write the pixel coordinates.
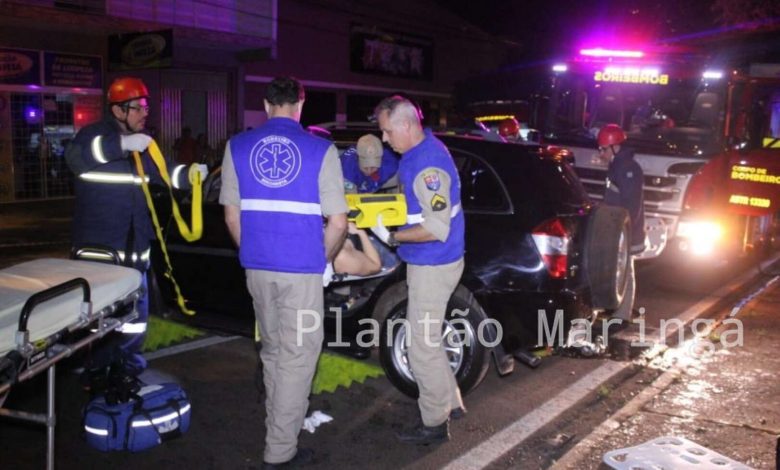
(42, 127)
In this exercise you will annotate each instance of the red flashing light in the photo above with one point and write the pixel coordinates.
(599, 52)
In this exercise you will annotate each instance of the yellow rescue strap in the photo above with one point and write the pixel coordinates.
(196, 213)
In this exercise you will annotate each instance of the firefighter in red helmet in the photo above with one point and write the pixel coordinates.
(110, 208)
(624, 188)
(509, 129)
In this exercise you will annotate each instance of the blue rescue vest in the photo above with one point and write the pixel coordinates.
(431, 152)
(278, 167)
(350, 166)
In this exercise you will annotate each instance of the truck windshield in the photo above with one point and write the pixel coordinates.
(682, 117)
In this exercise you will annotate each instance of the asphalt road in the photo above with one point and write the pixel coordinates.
(227, 428)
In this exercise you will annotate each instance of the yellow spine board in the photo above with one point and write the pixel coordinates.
(364, 209)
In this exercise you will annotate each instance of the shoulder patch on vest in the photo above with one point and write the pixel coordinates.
(438, 203)
(432, 180)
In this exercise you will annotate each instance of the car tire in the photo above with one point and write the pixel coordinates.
(607, 255)
(470, 359)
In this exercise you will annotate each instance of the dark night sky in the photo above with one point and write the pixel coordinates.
(545, 28)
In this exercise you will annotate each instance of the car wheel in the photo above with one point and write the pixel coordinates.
(467, 355)
(607, 256)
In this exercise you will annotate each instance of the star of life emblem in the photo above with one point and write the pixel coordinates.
(275, 161)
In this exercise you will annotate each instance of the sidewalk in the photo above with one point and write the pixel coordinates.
(726, 400)
(32, 229)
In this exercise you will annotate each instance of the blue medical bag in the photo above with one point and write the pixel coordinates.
(155, 414)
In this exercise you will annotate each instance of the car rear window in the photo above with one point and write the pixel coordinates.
(488, 185)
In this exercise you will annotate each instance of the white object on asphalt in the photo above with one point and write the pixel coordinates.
(312, 422)
(670, 452)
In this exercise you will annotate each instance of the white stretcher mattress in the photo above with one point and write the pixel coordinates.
(108, 283)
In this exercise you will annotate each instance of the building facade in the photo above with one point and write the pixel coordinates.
(207, 62)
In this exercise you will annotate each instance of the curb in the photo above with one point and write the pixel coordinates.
(572, 458)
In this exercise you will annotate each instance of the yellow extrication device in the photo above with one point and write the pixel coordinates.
(364, 209)
(189, 234)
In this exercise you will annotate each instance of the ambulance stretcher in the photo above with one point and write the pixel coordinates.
(49, 309)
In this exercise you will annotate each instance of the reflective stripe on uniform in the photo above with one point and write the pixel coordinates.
(175, 176)
(132, 328)
(112, 178)
(270, 205)
(103, 256)
(144, 256)
(418, 218)
(97, 150)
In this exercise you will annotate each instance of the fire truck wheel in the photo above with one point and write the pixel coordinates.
(606, 256)
(462, 336)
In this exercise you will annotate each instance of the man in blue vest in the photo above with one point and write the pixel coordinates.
(369, 166)
(278, 182)
(624, 188)
(431, 244)
(110, 209)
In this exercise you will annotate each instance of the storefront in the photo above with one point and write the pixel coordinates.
(45, 98)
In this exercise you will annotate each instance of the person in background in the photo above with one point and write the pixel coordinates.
(509, 129)
(625, 181)
(110, 209)
(278, 182)
(432, 245)
(369, 166)
(185, 147)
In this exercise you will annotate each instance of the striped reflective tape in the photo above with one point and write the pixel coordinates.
(161, 419)
(112, 178)
(271, 205)
(97, 150)
(132, 328)
(418, 218)
(96, 431)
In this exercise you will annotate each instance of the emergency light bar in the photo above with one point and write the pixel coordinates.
(712, 75)
(599, 52)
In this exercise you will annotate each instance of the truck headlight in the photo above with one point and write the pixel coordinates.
(700, 237)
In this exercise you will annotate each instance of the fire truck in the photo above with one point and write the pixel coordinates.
(706, 136)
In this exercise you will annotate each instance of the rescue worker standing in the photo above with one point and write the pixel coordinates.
(624, 189)
(509, 129)
(110, 208)
(369, 166)
(432, 245)
(278, 181)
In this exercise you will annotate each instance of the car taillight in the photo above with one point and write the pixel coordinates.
(552, 239)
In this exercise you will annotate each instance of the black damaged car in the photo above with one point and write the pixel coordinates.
(539, 254)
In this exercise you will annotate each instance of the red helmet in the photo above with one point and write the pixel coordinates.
(611, 134)
(127, 89)
(509, 127)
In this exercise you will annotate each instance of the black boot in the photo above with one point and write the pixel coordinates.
(424, 435)
(458, 413)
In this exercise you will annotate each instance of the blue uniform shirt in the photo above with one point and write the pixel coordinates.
(355, 180)
(624, 188)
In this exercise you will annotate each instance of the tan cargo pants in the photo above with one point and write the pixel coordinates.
(282, 303)
(430, 288)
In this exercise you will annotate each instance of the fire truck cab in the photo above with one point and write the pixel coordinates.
(707, 139)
